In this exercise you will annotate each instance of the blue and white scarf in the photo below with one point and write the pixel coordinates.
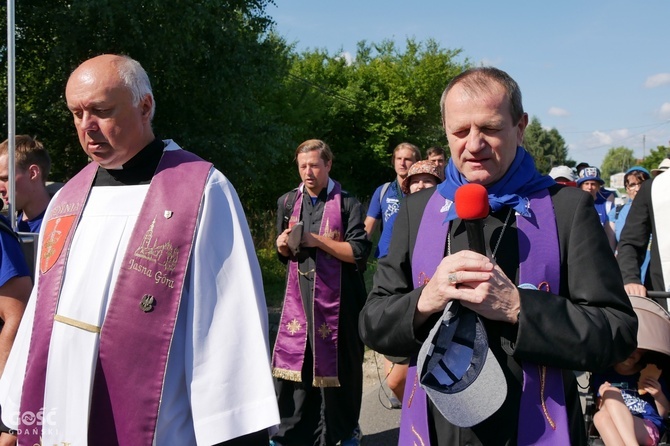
(513, 189)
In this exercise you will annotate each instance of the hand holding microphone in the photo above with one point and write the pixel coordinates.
(464, 276)
(472, 206)
(500, 299)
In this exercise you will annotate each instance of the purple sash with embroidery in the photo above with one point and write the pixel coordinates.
(289, 351)
(539, 403)
(137, 330)
(428, 252)
(543, 419)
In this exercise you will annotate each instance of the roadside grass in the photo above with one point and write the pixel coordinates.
(264, 234)
(274, 276)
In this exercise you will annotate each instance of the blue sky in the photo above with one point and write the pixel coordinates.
(598, 71)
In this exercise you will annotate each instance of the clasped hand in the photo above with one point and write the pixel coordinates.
(282, 243)
(308, 240)
(475, 281)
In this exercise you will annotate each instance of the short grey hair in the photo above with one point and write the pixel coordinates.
(136, 79)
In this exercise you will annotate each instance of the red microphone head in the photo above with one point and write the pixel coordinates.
(472, 202)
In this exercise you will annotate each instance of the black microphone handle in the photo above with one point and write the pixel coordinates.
(475, 231)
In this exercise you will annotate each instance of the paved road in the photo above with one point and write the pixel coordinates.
(379, 424)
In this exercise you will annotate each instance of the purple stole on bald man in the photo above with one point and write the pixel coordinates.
(542, 415)
(289, 351)
(138, 327)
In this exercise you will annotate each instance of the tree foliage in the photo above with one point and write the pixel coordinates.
(617, 159)
(231, 90)
(366, 107)
(547, 147)
(655, 157)
(214, 65)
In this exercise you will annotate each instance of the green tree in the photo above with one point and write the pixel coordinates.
(547, 147)
(215, 65)
(617, 159)
(363, 109)
(655, 157)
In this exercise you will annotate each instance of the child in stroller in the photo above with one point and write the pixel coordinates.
(632, 396)
(633, 402)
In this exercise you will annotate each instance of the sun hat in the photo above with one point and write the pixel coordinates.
(562, 172)
(638, 169)
(419, 167)
(458, 371)
(589, 174)
(662, 167)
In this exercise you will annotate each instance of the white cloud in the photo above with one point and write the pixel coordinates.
(612, 138)
(620, 134)
(657, 80)
(346, 55)
(664, 112)
(601, 138)
(557, 111)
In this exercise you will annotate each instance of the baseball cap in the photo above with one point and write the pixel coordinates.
(662, 167)
(458, 371)
(562, 172)
(589, 174)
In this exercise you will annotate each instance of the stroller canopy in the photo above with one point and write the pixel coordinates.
(653, 332)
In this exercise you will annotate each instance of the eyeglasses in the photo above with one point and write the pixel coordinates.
(633, 186)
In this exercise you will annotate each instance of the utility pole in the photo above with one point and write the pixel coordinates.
(644, 139)
(11, 112)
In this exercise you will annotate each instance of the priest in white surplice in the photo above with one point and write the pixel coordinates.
(147, 323)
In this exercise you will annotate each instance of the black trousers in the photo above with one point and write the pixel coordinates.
(314, 416)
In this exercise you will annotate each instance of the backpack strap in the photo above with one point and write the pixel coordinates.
(617, 210)
(5, 227)
(289, 202)
(385, 187)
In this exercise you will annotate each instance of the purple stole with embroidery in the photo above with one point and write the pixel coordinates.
(289, 352)
(542, 415)
(138, 327)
